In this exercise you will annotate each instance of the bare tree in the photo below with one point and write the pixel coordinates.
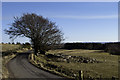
(43, 33)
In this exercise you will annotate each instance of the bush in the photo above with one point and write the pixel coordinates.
(26, 45)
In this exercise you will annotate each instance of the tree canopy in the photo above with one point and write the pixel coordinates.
(43, 33)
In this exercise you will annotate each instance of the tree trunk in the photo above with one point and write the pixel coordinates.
(42, 52)
(35, 47)
(35, 51)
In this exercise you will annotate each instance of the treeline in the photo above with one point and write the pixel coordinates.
(113, 48)
(90, 46)
(23, 45)
(17, 43)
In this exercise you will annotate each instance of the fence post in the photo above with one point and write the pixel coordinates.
(100, 77)
(32, 56)
(80, 75)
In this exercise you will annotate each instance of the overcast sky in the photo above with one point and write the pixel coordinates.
(80, 21)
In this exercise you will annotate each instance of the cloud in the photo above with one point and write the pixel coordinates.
(73, 17)
(86, 17)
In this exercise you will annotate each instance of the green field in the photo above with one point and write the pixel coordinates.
(107, 68)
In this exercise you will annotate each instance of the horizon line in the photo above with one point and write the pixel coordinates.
(60, 1)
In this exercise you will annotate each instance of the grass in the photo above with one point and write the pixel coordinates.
(108, 67)
(6, 47)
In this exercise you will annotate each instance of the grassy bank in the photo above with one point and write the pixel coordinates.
(42, 63)
(93, 63)
(7, 54)
(5, 60)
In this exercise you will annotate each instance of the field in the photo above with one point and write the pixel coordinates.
(6, 47)
(104, 65)
(93, 63)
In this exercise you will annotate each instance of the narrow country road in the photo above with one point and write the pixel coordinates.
(19, 67)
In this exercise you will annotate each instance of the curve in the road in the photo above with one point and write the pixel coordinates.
(19, 67)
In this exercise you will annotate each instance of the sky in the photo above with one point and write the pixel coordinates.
(79, 21)
(60, 0)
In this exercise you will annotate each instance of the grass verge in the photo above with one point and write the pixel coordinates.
(42, 63)
(5, 60)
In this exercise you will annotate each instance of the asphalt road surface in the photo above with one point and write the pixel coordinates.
(19, 67)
